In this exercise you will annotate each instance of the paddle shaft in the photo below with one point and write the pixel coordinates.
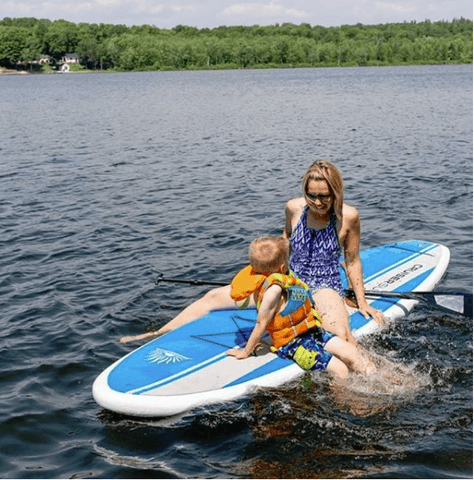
(160, 278)
(370, 293)
(409, 295)
(426, 297)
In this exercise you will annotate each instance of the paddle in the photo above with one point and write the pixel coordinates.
(160, 278)
(457, 303)
(460, 303)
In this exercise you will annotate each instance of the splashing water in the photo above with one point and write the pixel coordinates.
(394, 383)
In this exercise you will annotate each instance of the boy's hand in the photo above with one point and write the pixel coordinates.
(237, 353)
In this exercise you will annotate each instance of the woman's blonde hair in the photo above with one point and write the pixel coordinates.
(324, 170)
(268, 254)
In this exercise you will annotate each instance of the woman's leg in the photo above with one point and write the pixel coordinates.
(215, 299)
(352, 355)
(333, 313)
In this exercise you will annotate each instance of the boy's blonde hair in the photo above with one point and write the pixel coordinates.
(268, 254)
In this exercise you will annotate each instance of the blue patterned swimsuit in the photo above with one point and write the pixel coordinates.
(315, 255)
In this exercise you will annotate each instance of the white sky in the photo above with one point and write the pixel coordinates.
(213, 13)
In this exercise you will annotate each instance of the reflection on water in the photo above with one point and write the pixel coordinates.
(134, 462)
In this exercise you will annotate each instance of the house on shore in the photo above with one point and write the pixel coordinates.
(70, 58)
(35, 65)
(43, 59)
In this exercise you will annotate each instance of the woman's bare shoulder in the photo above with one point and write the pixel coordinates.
(295, 205)
(349, 212)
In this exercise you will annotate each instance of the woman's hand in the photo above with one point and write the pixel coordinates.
(367, 311)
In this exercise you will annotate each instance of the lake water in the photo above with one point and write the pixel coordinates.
(109, 179)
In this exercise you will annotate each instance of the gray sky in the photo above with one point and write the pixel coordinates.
(212, 13)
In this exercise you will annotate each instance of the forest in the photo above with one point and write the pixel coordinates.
(141, 48)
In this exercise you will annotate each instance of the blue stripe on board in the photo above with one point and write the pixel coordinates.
(136, 371)
(423, 248)
(273, 365)
(400, 263)
(415, 282)
(184, 373)
(177, 376)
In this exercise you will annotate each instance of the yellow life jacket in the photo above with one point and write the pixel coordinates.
(296, 318)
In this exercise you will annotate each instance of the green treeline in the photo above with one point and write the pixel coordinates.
(149, 48)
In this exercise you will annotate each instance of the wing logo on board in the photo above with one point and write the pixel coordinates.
(159, 355)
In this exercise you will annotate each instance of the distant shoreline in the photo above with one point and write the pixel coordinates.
(5, 72)
(8, 72)
(12, 72)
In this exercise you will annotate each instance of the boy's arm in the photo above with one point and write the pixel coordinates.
(268, 309)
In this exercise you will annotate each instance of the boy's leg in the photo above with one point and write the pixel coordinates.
(337, 368)
(351, 355)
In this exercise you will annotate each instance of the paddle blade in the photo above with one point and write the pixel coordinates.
(460, 303)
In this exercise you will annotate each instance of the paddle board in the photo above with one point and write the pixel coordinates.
(188, 367)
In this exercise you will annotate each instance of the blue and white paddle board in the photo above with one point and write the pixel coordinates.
(188, 367)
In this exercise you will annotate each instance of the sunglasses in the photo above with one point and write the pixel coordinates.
(323, 198)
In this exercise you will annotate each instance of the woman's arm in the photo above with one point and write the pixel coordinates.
(288, 215)
(293, 210)
(353, 264)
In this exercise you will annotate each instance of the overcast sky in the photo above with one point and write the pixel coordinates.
(212, 13)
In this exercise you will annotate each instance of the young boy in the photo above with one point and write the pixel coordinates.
(285, 309)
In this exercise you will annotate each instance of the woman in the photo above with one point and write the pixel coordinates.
(319, 226)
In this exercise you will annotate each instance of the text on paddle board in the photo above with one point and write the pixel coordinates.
(399, 276)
